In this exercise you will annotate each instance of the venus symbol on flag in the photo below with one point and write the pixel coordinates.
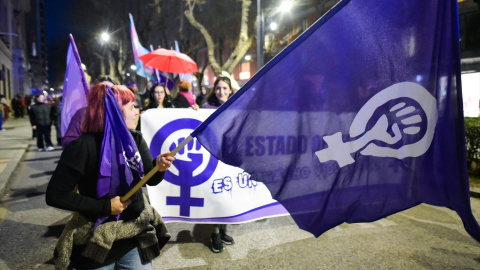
(408, 116)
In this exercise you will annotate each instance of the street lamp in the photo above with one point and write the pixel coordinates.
(273, 26)
(260, 35)
(285, 6)
(105, 36)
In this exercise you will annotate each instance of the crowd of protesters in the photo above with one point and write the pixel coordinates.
(44, 112)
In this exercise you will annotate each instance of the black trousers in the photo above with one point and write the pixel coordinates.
(44, 133)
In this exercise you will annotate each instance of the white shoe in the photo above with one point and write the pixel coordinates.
(50, 148)
(41, 149)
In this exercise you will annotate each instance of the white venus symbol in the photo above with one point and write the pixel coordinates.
(341, 151)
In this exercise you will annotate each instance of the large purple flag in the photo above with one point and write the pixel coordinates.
(139, 50)
(75, 87)
(121, 165)
(359, 118)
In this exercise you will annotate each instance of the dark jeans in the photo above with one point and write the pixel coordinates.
(43, 132)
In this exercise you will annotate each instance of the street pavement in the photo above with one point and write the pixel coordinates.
(423, 237)
(14, 141)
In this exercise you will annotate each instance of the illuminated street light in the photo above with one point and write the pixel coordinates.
(83, 66)
(286, 6)
(133, 67)
(105, 36)
(273, 26)
(248, 57)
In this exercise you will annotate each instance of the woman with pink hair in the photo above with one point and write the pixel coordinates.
(131, 233)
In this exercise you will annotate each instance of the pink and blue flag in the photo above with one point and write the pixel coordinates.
(183, 77)
(359, 118)
(75, 87)
(139, 50)
(121, 166)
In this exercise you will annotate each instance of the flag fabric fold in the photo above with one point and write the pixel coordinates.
(75, 87)
(121, 165)
(139, 50)
(359, 118)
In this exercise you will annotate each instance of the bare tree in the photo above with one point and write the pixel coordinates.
(243, 43)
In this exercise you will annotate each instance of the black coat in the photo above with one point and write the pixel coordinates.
(40, 114)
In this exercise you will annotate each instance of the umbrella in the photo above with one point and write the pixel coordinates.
(169, 61)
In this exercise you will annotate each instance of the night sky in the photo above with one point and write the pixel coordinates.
(58, 27)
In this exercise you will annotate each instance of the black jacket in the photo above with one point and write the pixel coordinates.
(40, 114)
(79, 165)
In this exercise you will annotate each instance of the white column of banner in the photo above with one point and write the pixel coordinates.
(199, 188)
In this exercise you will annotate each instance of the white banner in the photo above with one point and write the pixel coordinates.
(198, 188)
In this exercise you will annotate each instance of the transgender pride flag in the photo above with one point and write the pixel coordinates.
(139, 50)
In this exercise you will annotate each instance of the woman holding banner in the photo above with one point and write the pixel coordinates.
(219, 94)
(159, 97)
(105, 231)
(221, 91)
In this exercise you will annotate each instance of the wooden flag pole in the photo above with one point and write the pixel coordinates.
(154, 170)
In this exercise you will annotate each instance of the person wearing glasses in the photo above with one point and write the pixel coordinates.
(219, 94)
(159, 98)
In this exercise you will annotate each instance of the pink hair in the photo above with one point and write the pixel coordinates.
(94, 120)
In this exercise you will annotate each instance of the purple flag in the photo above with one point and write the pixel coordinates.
(121, 165)
(75, 87)
(139, 50)
(359, 118)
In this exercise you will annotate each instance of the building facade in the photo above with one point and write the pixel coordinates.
(23, 62)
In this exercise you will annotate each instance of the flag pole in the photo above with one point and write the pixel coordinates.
(156, 70)
(154, 170)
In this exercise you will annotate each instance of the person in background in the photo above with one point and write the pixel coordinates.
(41, 120)
(6, 108)
(29, 111)
(201, 96)
(142, 96)
(219, 94)
(133, 232)
(159, 98)
(57, 119)
(24, 105)
(17, 106)
(185, 98)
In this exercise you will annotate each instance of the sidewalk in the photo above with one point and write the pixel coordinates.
(15, 139)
